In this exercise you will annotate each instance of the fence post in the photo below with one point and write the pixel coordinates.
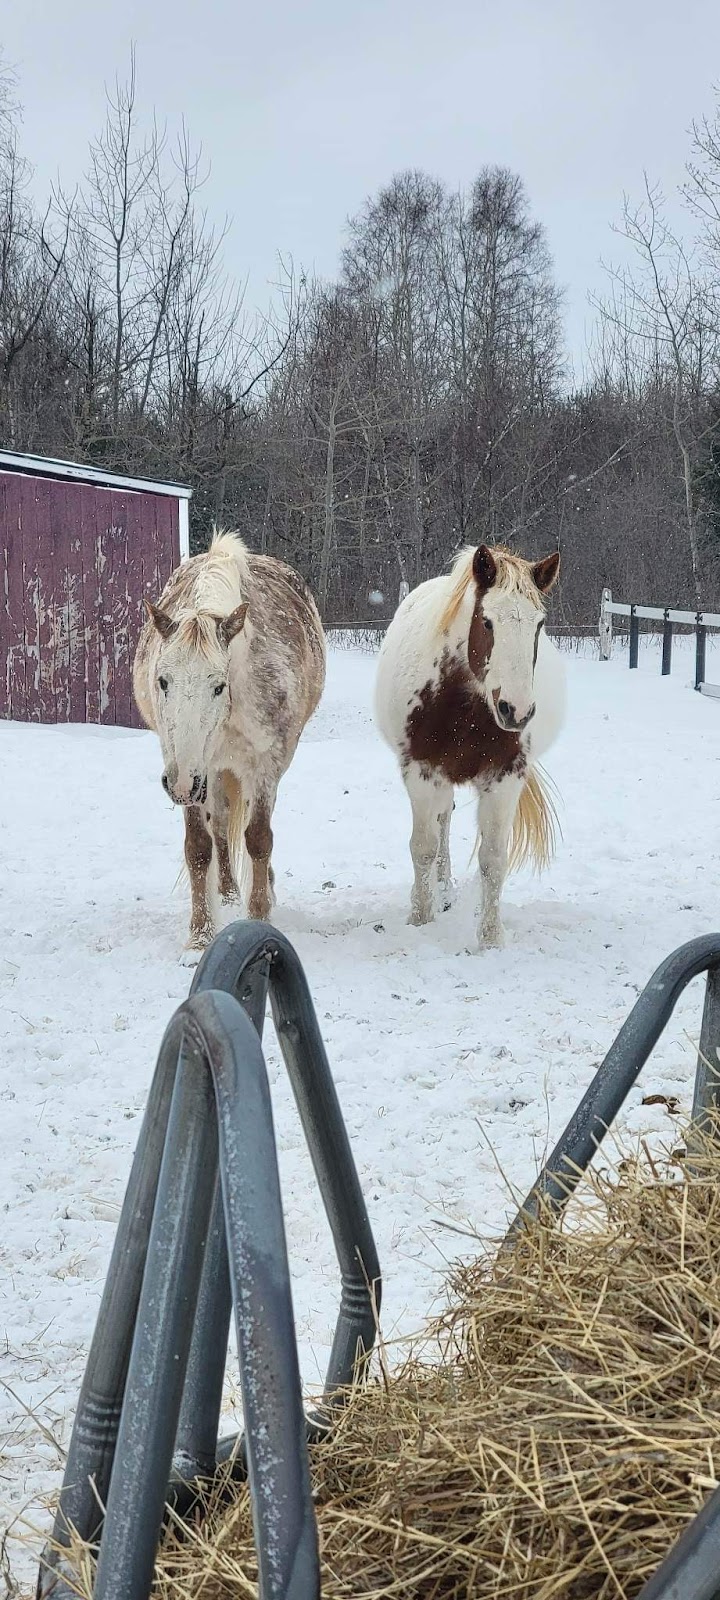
(605, 625)
(700, 640)
(634, 637)
(667, 645)
(403, 591)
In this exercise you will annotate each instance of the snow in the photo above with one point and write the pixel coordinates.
(456, 1070)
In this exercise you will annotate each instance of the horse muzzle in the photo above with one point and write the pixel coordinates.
(196, 795)
(507, 717)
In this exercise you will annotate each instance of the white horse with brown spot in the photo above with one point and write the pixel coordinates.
(470, 690)
(229, 667)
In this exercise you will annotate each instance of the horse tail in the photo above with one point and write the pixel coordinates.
(236, 831)
(536, 825)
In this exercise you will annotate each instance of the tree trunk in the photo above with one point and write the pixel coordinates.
(329, 525)
(417, 513)
(689, 500)
(266, 517)
(363, 506)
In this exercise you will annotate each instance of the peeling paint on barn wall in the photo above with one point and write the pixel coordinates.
(77, 562)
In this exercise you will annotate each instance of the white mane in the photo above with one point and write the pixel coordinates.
(223, 577)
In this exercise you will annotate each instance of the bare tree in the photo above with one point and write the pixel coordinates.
(662, 316)
(31, 257)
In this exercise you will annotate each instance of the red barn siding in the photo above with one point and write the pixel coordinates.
(77, 561)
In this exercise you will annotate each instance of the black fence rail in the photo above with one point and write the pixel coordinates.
(699, 622)
(202, 1231)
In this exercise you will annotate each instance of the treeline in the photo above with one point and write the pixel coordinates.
(369, 427)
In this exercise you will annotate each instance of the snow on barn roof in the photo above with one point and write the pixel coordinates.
(47, 467)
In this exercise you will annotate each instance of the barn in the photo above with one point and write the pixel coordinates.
(81, 548)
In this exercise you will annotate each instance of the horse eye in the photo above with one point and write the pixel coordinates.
(162, 684)
(219, 688)
(488, 624)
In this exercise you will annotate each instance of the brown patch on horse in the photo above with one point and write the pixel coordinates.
(480, 641)
(198, 855)
(259, 841)
(452, 730)
(227, 882)
(538, 631)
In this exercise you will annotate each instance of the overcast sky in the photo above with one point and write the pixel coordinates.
(304, 109)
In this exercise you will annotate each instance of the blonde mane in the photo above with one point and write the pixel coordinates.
(198, 630)
(514, 576)
(210, 586)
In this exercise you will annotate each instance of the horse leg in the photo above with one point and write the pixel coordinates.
(259, 841)
(198, 855)
(496, 810)
(430, 798)
(444, 870)
(227, 884)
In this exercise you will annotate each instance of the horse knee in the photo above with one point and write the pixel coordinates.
(259, 837)
(423, 846)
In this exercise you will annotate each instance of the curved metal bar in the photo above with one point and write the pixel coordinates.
(247, 960)
(617, 1074)
(217, 1034)
(691, 1571)
(195, 1456)
(92, 1444)
(230, 964)
(275, 1434)
(161, 1343)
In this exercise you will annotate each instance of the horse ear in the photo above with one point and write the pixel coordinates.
(164, 624)
(545, 572)
(484, 568)
(228, 627)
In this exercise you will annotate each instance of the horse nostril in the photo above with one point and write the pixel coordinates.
(507, 711)
(164, 782)
(199, 788)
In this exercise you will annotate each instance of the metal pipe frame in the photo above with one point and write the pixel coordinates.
(622, 1065)
(691, 1570)
(196, 1447)
(141, 1393)
(246, 962)
(219, 1113)
(250, 960)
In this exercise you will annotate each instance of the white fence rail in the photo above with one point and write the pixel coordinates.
(669, 616)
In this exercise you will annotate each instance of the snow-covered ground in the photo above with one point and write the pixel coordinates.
(454, 1069)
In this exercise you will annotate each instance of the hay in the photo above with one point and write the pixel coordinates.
(555, 1435)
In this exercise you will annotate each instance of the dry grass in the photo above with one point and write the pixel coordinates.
(552, 1439)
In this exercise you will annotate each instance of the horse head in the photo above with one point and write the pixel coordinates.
(191, 695)
(507, 620)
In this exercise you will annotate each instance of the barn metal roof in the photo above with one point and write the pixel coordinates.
(45, 466)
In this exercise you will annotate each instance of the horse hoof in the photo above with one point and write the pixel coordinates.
(419, 919)
(191, 956)
(491, 939)
(260, 912)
